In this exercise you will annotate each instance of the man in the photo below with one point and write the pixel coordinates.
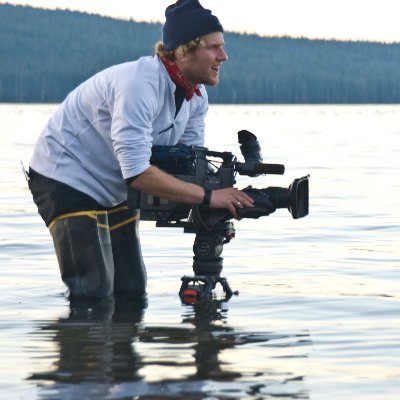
(100, 139)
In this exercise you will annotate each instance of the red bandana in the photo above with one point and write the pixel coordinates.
(179, 79)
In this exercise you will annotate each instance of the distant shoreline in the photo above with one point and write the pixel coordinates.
(44, 60)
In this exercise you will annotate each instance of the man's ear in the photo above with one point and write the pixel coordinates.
(181, 56)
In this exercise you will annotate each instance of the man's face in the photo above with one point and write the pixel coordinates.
(203, 64)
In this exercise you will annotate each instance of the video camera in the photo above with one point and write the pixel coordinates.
(213, 227)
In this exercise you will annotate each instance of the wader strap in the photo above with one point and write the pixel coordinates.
(94, 213)
(126, 222)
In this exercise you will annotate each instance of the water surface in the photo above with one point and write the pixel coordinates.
(318, 310)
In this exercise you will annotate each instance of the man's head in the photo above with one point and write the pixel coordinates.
(187, 20)
(193, 37)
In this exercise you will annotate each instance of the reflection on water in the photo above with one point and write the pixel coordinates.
(106, 349)
(94, 342)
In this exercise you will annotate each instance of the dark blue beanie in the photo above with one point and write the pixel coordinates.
(187, 20)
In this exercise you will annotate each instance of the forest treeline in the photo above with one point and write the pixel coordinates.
(44, 54)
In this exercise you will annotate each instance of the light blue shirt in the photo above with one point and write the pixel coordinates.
(104, 130)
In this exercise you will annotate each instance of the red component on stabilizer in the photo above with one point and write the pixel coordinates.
(190, 295)
(229, 236)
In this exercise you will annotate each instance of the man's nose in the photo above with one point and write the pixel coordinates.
(223, 56)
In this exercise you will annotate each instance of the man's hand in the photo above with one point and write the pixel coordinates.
(231, 199)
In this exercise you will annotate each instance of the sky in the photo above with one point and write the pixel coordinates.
(372, 20)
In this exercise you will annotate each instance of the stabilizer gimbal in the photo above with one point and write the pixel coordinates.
(213, 227)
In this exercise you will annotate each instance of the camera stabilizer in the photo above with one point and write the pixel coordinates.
(213, 227)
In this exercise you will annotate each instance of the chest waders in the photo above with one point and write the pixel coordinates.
(98, 250)
(99, 253)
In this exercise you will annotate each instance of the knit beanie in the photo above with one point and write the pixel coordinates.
(187, 20)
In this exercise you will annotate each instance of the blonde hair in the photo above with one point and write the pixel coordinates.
(182, 49)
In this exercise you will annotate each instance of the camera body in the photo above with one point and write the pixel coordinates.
(214, 227)
(218, 170)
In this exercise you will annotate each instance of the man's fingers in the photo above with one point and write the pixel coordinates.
(244, 200)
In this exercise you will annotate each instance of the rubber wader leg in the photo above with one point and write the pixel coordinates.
(84, 253)
(130, 272)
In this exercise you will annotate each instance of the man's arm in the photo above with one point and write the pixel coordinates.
(160, 184)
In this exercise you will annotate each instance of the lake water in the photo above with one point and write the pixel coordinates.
(318, 310)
